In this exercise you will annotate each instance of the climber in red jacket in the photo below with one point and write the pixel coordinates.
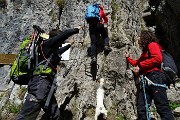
(149, 65)
(96, 28)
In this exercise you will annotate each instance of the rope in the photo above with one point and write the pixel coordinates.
(148, 114)
(46, 58)
(155, 84)
(149, 82)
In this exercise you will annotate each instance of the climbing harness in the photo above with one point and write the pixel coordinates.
(155, 84)
(145, 80)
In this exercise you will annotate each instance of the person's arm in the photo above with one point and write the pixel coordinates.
(132, 61)
(155, 58)
(53, 43)
(59, 39)
(63, 49)
(103, 16)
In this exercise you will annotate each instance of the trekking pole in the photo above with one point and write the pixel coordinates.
(148, 115)
(34, 46)
(51, 92)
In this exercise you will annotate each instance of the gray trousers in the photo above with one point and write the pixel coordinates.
(38, 89)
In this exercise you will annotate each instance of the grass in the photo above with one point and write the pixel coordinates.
(13, 108)
(173, 105)
(115, 8)
(22, 92)
(120, 117)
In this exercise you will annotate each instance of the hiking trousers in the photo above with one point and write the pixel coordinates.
(95, 31)
(38, 89)
(156, 93)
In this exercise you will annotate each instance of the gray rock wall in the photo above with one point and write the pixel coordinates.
(77, 91)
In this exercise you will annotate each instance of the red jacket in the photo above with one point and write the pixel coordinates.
(151, 62)
(103, 17)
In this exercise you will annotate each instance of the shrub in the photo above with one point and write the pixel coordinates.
(61, 3)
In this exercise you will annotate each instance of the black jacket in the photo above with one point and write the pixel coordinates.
(52, 44)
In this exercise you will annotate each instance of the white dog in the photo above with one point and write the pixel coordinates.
(100, 109)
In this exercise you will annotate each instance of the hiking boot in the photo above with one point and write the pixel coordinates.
(107, 49)
(93, 60)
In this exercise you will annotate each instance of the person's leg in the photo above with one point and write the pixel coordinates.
(161, 102)
(160, 96)
(141, 109)
(105, 37)
(93, 36)
(53, 112)
(104, 34)
(30, 111)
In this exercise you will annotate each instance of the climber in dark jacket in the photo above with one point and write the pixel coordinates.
(40, 84)
(149, 65)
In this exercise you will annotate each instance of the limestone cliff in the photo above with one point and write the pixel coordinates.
(77, 91)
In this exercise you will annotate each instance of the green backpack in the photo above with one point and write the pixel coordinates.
(22, 68)
(20, 73)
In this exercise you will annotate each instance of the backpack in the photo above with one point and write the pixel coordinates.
(27, 63)
(20, 73)
(92, 12)
(170, 68)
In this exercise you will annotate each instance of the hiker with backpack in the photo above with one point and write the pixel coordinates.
(153, 81)
(97, 20)
(42, 84)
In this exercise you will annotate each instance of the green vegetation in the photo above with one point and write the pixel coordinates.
(173, 105)
(153, 109)
(115, 8)
(54, 17)
(61, 3)
(13, 108)
(143, 24)
(120, 117)
(1, 96)
(22, 92)
(90, 112)
(111, 115)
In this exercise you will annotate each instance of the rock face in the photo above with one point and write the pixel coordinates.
(77, 91)
(168, 18)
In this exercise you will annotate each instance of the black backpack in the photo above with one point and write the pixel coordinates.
(170, 68)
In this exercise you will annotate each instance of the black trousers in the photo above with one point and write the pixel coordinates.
(95, 30)
(39, 87)
(158, 94)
